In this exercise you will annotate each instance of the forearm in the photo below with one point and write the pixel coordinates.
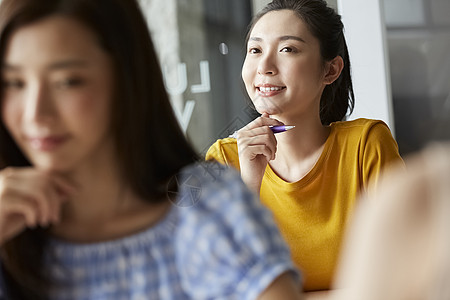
(253, 184)
(284, 287)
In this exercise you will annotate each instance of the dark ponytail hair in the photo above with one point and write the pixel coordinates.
(326, 25)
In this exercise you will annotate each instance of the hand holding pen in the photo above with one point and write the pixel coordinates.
(275, 129)
(257, 146)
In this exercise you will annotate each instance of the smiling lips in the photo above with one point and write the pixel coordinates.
(269, 90)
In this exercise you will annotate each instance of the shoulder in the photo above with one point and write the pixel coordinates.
(222, 148)
(228, 237)
(359, 125)
(224, 151)
(363, 130)
(215, 188)
(226, 142)
(371, 139)
(212, 175)
(211, 188)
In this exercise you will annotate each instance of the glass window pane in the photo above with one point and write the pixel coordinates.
(420, 71)
(201, 49)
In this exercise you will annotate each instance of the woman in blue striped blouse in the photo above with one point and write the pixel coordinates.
(100, 194)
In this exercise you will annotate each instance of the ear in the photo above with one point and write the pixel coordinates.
(333, 69)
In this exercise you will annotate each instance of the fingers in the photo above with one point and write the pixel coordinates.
(35, 207)
(256, 138)
(34, 195)
(255, 151)
(257, 145)
(264, 120)
(260, 140)
(39, 188)
(21, 207)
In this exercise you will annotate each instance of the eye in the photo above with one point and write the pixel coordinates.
(254, 50)
(70, 82)
(12, 84)
(287, 49)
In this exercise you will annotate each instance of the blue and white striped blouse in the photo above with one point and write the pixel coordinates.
(216, 242)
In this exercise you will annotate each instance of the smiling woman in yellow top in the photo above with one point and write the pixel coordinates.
(297, 72)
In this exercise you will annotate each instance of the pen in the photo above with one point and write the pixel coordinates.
(275, 129)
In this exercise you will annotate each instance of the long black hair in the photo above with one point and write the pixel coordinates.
(326, 25)
(150, 144)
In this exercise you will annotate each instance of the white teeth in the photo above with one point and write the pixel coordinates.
(268, 89)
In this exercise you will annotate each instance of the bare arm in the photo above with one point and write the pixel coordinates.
(284, 287)
(320, 295)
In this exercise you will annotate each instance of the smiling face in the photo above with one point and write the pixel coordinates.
(57, 93)
(283, 71)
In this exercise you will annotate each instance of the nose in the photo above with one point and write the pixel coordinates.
(267, 65)
(39, 107)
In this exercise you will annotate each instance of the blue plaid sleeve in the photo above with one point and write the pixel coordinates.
(227, 245)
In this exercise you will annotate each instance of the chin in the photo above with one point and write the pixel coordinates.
(267, 110)
(266, 107)
(52, 165)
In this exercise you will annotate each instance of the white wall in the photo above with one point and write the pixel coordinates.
(259, 4)
(366, 39)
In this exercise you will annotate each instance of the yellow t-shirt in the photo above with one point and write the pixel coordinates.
(312, 213)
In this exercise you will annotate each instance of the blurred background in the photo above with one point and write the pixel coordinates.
(418, 39)
(201, 49)
(399, 51)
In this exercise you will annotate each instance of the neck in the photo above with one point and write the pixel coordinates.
(298, 149)
(101, 194)
(298, 143)
(104, 209)
(105, 202)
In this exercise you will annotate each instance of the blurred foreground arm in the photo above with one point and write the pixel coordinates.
(284, 287)
(398, 246)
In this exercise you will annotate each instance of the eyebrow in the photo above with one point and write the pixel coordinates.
(7, 67)
(64, 64)
(281, 38)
